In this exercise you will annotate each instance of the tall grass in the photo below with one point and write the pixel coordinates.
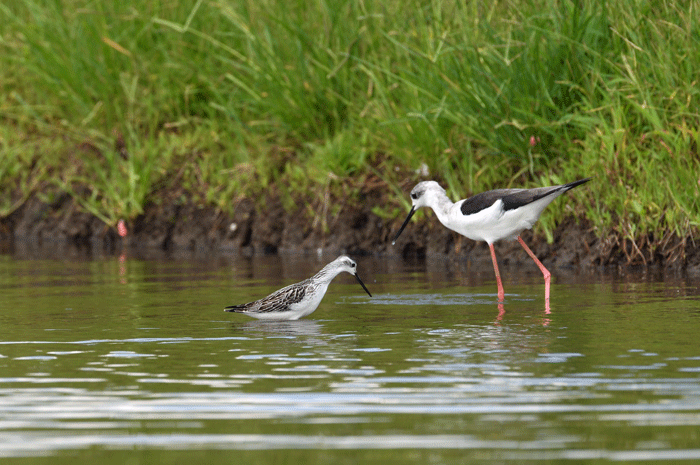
(227, 98)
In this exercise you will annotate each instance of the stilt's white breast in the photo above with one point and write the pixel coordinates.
(484, 225)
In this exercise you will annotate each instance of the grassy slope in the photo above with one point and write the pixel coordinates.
(116, 101)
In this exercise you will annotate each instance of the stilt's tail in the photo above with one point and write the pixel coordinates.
(573, 184)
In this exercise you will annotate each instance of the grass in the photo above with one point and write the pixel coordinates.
(116, 102)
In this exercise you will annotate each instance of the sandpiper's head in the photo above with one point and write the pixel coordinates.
(423, 195)
(344, 263)
(347, 264)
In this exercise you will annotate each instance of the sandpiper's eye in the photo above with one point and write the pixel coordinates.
(414, 196)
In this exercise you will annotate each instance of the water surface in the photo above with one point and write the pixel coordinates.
(119, 360)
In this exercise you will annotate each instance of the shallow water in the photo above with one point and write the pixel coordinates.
(118, 359)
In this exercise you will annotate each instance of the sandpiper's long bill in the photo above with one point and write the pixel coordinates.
(301, 299)
(490, 216)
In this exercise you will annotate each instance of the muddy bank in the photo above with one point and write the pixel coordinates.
(174, 225)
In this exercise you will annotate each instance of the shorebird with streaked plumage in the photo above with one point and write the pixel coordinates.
(490, 216)
(301, 299)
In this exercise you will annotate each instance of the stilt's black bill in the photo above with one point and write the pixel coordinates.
(408, 218)
(362, 284)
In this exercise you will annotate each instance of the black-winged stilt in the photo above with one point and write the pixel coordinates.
(490, 216)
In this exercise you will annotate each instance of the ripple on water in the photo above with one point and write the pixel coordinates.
(599, 382)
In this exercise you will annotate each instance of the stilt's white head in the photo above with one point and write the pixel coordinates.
(425, 194)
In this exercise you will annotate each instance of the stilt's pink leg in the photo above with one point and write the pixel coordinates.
(501, 294)
(545, 272)
(501, 312)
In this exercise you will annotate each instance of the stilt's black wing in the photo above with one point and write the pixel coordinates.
(513, 198)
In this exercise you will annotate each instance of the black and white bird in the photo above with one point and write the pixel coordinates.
(301, 299)
(490, 216)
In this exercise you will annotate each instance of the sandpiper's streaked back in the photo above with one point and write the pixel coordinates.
(490, 216)
(300, 299)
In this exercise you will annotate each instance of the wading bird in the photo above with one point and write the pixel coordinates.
(300, 299)
(490, 216)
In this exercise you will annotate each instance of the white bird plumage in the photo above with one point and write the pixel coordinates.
(490, 216)
(300, 299)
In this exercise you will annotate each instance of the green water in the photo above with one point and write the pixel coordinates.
(120, 360)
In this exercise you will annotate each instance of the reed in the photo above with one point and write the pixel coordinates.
(225, 99)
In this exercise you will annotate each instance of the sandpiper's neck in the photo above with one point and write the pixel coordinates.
(327, 273)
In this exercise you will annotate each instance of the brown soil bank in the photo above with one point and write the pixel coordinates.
(172, 225)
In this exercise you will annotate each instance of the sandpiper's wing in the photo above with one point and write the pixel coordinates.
(278, 301)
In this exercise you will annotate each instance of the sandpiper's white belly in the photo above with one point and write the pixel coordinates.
(307, 306)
